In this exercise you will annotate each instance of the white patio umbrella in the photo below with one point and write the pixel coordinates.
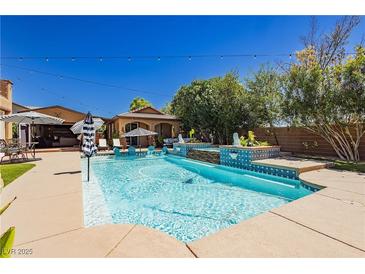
(77, 127)
(139, 132)
(32, 118)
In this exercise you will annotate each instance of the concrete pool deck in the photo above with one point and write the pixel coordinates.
(299, 164)
(48, 216)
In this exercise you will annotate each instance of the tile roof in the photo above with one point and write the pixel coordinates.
(148, 115)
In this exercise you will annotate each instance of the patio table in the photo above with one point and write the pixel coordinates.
(31, 147)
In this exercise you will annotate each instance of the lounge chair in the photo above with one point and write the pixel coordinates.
(116, 143)
(150, 150)
(103, 144)
(132, 151)
(117, 152)
(169, 141)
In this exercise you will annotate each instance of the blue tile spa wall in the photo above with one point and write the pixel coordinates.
(243, 157)
(183, 149)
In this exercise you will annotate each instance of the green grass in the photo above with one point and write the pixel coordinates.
(10, 172)
(356, 167)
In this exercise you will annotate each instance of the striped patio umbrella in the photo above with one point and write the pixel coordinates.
(88, 146)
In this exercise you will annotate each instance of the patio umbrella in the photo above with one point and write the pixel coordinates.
(88, 146)
(139, 132)
(32, 118)
(77, 127)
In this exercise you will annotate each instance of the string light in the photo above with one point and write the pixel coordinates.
(151, 57)
(59, 76)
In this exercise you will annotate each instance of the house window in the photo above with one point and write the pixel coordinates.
(133, 141)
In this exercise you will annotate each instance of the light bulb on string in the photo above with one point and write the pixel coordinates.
(73, 59)
(159, 58)
(189, 58)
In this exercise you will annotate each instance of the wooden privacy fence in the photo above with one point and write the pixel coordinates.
(300, 140)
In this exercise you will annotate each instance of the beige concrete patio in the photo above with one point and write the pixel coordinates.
(48, 216)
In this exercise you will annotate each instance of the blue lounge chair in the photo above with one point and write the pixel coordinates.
(150, 150)
(132, 151)
(117, 152)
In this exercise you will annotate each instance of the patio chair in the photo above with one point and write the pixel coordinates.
(117, 152)
(116, 143)
(12, 151)
(164, 150)
(150, 150)
(103, 144)
(132, 151)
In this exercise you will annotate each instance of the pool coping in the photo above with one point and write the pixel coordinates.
(52, 232)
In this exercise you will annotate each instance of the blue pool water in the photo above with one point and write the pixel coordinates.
(184, 198)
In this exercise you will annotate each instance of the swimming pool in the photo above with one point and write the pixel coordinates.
(185, 198)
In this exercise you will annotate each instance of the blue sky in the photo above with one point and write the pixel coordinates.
(139, 36)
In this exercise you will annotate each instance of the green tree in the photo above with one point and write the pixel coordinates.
(328, 101)
(166, 109)
(139, 102)
(212, 107)
(265, 98)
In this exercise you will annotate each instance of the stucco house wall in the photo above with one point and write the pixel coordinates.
(6, 95)
(148, 118)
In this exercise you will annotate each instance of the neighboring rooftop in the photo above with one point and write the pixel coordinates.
(147, 112)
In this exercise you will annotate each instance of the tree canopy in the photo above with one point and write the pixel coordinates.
(214, 107)
(328, 101)
(139, 102)
(323, 90)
